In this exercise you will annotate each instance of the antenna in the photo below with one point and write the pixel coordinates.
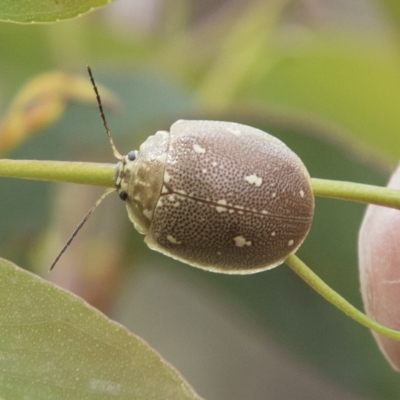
(103, 117)
(108, 191)
(78, 228)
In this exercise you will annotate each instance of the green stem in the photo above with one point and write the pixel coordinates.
(333, 297)
(356, 192)
(59, 171)
(103, 175)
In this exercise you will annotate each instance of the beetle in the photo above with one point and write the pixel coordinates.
(221, 196)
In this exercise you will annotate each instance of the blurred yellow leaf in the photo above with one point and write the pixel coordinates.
(42, 101)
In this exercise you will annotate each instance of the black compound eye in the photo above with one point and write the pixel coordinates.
(132, 155)
(123, 196)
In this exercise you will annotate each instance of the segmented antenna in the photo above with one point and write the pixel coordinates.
(103, 117)
(108, 191)
(78, 228)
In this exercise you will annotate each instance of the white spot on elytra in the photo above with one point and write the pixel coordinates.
(173, 240)
(204, 171)
(234, 131)
(198, 149)
(264, 212)
(167, 177)
(254, 180)
(162, 158)
(214, 163)
(273, 233)
(273, 195)
(223, 203)
(290, 243)
(301, 193)
(240, 241)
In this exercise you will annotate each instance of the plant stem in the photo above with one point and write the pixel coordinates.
(359, 192)
(59, 171)
(333, 297)
(99, 174)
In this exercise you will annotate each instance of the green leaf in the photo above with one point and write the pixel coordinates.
(392, 10)
(55, 346)
(26, 11)
(348, 83)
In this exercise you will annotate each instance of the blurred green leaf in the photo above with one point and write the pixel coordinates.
(346, 82)
(53, 345)
(251, 33)
(393, 8)
(27, 11)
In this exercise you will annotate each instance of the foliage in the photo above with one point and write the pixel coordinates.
(56, 346)
(28, 11)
